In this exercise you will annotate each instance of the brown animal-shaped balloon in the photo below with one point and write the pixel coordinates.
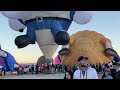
(91, 44)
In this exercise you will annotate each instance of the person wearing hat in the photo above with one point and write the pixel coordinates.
(105, 69)
(85, 71)
(107, 74)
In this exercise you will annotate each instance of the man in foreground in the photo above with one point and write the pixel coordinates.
(85, 71)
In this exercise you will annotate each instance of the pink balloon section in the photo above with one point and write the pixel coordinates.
(56, 60)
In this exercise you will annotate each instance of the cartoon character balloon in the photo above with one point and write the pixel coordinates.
(47, 28)
(16, 14)
(16, 25)
(7, 60)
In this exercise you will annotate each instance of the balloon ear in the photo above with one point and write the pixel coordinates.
(82, 17)
(16, 24)
(16, 14)
(56, 12)
(104, 40)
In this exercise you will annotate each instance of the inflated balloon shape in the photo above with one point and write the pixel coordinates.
(7, 61)
(3, 54)
(15, 24)
(16, 14)
(82, 17)
(47, 28)
(56, 12)
(88, 46)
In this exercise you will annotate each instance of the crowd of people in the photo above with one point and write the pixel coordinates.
(43, 68)
(82, 70)
(37, 69)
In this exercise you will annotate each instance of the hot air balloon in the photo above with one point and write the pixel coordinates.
(7, 60)
(92, 47)
(48, 30)
(43, 60)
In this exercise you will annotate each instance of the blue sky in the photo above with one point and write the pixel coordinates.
(104, 22)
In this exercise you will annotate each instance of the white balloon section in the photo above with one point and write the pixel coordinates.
(80, 17)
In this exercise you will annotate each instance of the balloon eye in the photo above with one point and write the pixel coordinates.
(21, 30)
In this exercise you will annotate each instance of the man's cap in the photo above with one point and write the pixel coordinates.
(82, 58)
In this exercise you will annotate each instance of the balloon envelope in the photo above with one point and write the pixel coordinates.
(82, 17)
(56, 60)
(56, 12)
(46, 42)
(42, 60)
(16, 14)
(16, 24)
(8, 63)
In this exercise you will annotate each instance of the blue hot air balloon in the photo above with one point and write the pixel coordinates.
(7, 60)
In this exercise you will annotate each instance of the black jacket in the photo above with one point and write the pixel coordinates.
(117, 76)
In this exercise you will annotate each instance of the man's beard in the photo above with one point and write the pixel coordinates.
(83, 65)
